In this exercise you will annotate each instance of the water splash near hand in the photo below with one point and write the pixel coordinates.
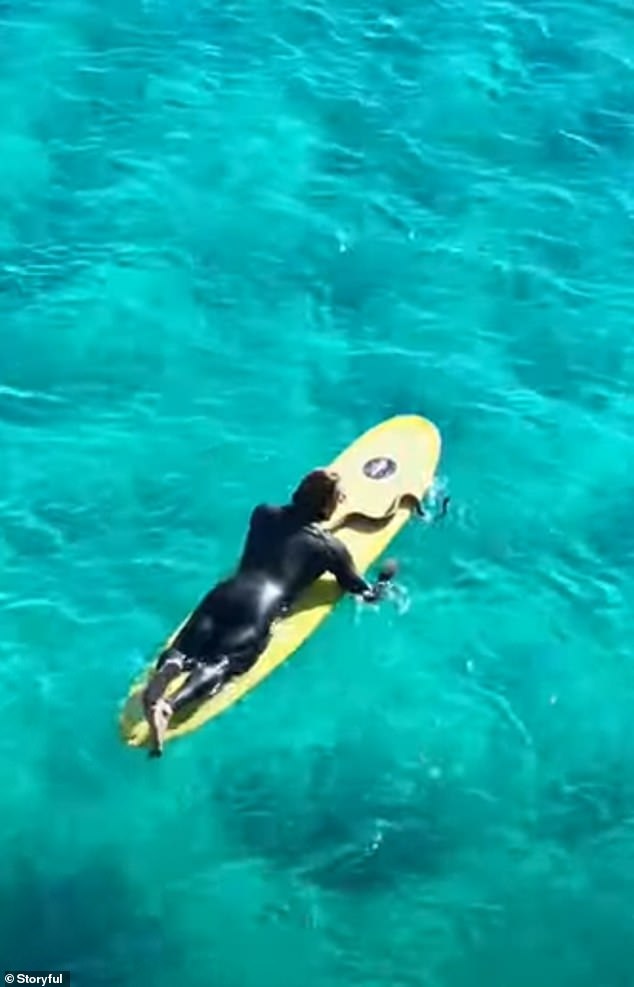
(398, 595)
(435, 503)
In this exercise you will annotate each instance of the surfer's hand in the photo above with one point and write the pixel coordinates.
(387, 571)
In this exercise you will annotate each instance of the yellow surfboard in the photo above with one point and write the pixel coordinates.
(382, 472)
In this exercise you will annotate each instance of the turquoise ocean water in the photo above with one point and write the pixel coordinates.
(232, 237)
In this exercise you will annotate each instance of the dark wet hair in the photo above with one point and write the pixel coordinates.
(316, 496)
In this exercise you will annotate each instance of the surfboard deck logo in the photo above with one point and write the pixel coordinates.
(380, 468)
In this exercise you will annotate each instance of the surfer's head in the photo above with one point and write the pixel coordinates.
(318, 495)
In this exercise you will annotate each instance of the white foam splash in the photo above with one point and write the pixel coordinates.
(434, 499)
(399, 595)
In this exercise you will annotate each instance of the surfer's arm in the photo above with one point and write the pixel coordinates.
(341, 565)
(351, 581)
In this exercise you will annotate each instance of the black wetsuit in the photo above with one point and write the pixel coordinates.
(231, 626)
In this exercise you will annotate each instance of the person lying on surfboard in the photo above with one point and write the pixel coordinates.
(284, 553)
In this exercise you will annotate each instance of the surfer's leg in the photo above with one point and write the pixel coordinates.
(239, 651)
(204, 681)
(241, 631)
(201, 683)
(170, 664)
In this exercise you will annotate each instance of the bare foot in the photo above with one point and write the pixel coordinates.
(159, 717)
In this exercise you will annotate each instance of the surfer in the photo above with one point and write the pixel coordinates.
(285, 552)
